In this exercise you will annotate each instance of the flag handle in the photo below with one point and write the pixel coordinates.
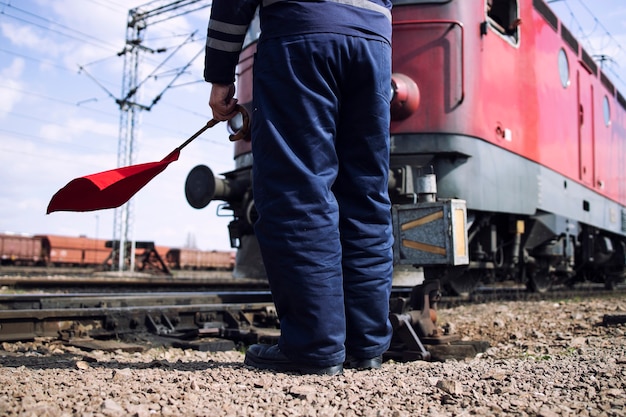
(240, 134)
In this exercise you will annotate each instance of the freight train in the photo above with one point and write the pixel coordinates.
(504, 107)
(68, 251)
(193, 259)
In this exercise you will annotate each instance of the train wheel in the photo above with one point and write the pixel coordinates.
(464, 284)
(540, 279)
(611, 281)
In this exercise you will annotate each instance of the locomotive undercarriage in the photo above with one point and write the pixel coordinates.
(527, 224)
(538, 251)
(505, 248)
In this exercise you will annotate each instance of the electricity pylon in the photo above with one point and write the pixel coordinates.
(139, 19)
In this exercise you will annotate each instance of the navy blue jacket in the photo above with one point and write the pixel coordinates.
(231, 18)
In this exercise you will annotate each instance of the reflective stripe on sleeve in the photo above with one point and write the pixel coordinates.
(228, 28)
(237, 32)
(224, 45)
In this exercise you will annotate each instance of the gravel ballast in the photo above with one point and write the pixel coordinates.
(546, 359)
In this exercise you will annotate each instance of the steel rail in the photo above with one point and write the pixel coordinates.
(223, 314)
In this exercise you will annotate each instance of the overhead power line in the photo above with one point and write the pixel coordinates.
(66, 30)
(36, 20)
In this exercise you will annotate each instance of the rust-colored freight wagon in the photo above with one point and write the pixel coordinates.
(21, 250)
(64, 250)
(197, 259)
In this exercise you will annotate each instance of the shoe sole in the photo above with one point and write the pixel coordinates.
(292, 367)
(363, 364)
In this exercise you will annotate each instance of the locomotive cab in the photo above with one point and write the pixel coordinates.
(503, 16)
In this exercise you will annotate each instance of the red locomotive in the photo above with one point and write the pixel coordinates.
(513, 116)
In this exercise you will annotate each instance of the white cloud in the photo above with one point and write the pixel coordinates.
(19, 35)
(76, 129)
(11, 92)
(15, 70)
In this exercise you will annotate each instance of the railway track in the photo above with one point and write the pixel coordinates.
(206, 313)
(78, 280)
(200, 320)
(557, 293)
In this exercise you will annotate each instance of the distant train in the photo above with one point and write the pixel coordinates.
(192, 259)
(48, 250)
(66, 251)
(22, 250)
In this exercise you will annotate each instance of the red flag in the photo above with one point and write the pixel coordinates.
(110, 189)
(107, 189)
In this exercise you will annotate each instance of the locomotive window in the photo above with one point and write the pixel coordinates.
(504, 17)
(606, 108)
(563, 68)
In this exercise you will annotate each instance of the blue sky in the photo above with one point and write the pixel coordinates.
(58, 122)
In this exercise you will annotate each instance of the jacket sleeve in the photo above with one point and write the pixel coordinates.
(226, 32)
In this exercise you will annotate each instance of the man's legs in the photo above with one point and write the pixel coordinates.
(295, 165)
(361, 190)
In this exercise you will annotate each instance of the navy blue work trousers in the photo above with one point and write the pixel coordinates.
(320, 143)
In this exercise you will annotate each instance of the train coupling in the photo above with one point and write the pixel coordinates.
(416, 334)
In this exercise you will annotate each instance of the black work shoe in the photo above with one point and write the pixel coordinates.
(270, 357)
(363, 364)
